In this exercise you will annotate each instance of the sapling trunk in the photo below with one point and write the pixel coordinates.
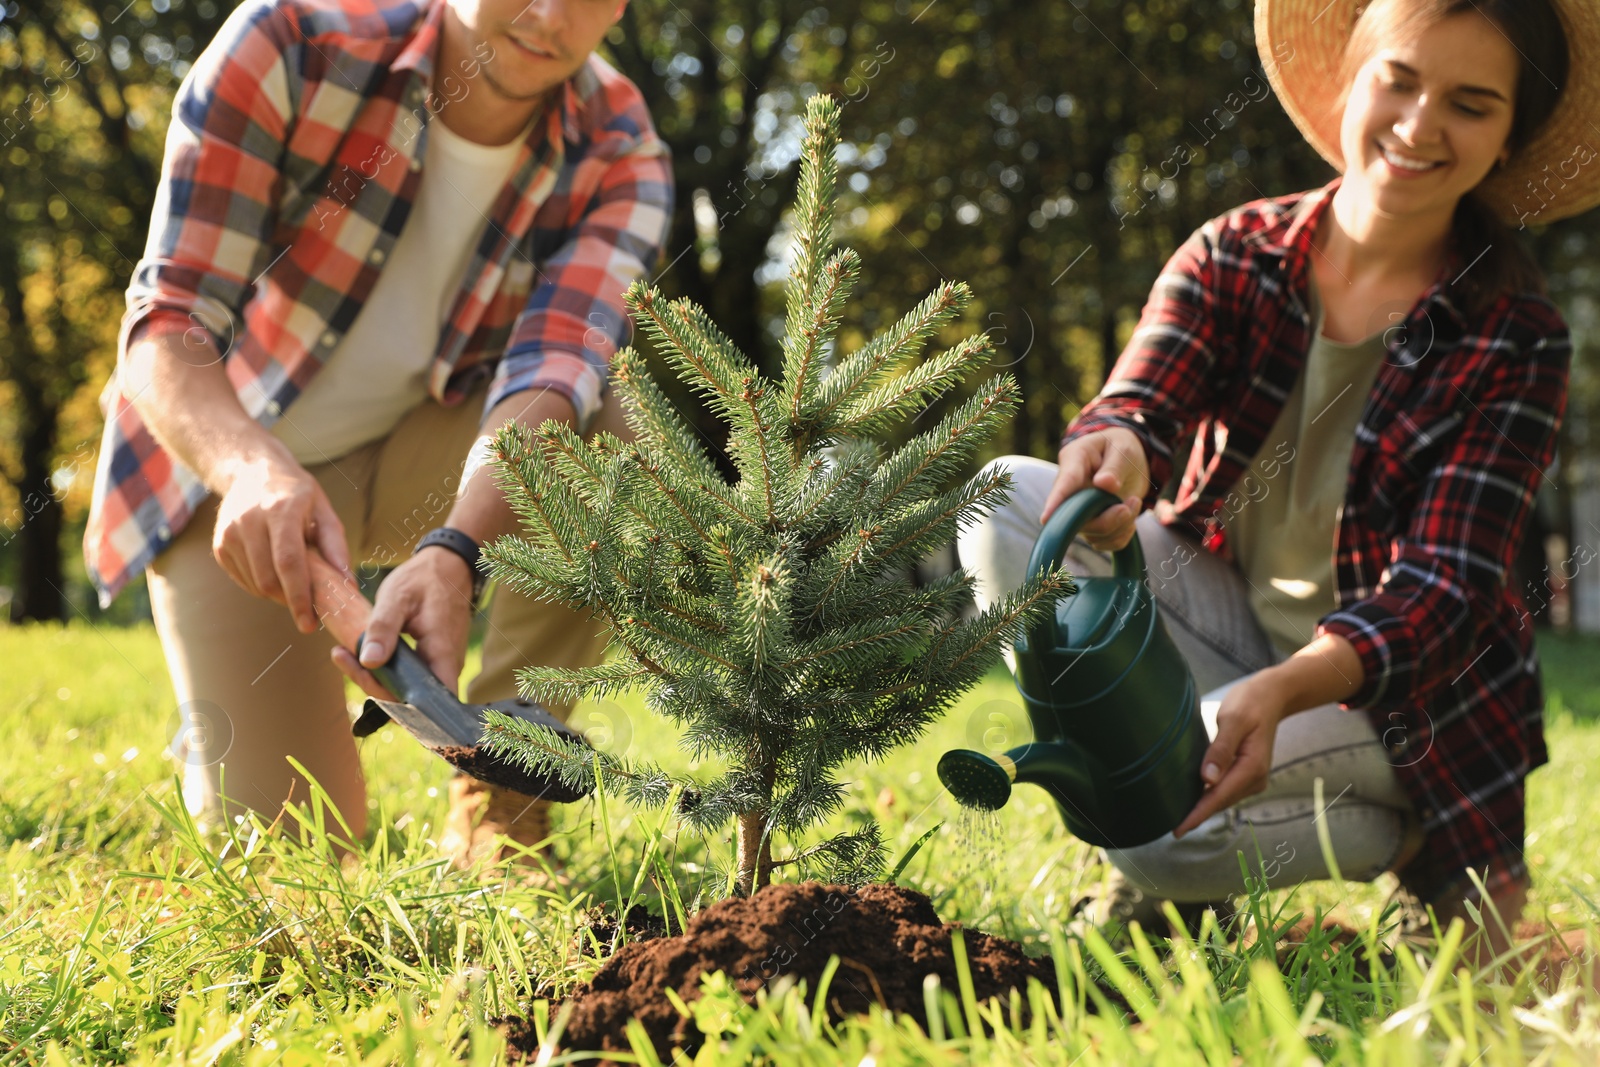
(754, 858)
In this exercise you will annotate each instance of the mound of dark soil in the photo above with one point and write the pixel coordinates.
(887, 938)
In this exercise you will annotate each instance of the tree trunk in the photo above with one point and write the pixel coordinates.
(1109, 351)
(1565, 496)
(39, 582)
(38, 535)
(754, 858)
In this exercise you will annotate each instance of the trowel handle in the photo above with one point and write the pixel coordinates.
(337, 600)
(339, 603)
(1068, 520)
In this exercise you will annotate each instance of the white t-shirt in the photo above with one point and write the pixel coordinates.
(379, 371)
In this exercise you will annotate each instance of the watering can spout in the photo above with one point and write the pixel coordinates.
(1118, 735)
(1066, 770)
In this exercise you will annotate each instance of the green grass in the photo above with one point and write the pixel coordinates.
(127, 936)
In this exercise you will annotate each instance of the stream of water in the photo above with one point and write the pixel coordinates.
(979, 846)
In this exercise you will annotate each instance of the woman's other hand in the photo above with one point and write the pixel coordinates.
(1326, 671)
(1239, 760)
(1111, 459)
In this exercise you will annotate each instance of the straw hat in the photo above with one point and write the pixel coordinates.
(1557, 174)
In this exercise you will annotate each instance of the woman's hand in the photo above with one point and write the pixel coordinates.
(1240, 759)
(1111, 459)
(1326, 671)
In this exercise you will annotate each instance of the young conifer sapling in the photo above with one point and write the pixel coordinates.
(773, 617)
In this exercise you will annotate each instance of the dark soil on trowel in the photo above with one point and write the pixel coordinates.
(507, 774)
(887, 938)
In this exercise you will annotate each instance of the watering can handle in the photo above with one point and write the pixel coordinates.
(1068, 520)
(1076, 512)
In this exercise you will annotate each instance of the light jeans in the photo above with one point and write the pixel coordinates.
(1204, 604)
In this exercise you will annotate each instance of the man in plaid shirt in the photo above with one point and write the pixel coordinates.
(383, 229)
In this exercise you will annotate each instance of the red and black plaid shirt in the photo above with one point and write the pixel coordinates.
(1452, 444)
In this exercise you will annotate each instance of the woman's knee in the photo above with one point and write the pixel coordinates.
(1031, 480)
(995, 551)
(1200, 866)
(1278, 851)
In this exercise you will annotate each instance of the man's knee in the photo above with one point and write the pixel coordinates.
(525, 632)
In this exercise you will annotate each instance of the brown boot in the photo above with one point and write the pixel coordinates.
(479, 812)
(1116, 902)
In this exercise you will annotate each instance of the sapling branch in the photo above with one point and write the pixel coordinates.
(898, 343)
(510, 449)
(642, 623)
(542, 751)
(956, 434)
(805, 353)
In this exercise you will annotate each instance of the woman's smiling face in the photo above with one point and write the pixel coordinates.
(1425, 120)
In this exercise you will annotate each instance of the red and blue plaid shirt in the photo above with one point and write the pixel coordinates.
(293, 157)
(1454, 440)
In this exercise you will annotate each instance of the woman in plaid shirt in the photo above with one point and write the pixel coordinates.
(1373, 382)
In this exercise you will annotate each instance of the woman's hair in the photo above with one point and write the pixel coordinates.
(1534, 29)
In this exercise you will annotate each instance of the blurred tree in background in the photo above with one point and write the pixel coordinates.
(1052, 155)
(85, 90)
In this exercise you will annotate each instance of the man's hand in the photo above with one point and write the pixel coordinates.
(1239, 760)
(271, 508)
(429, 596)
(1111, 459)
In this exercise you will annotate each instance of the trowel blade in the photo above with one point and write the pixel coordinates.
(452, 733)
(436, 731)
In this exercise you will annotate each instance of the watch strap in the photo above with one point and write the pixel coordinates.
(462, 545)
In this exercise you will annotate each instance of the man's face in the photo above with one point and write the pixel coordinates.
(535, 45)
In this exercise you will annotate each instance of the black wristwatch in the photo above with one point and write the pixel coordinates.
(463, 546)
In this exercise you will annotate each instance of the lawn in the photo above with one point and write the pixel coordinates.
(127, 937)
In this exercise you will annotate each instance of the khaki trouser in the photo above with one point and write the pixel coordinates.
(252, 690)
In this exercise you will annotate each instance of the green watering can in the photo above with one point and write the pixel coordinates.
(1118, 737)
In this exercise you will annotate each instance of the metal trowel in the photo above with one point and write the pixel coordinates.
(427, 709)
